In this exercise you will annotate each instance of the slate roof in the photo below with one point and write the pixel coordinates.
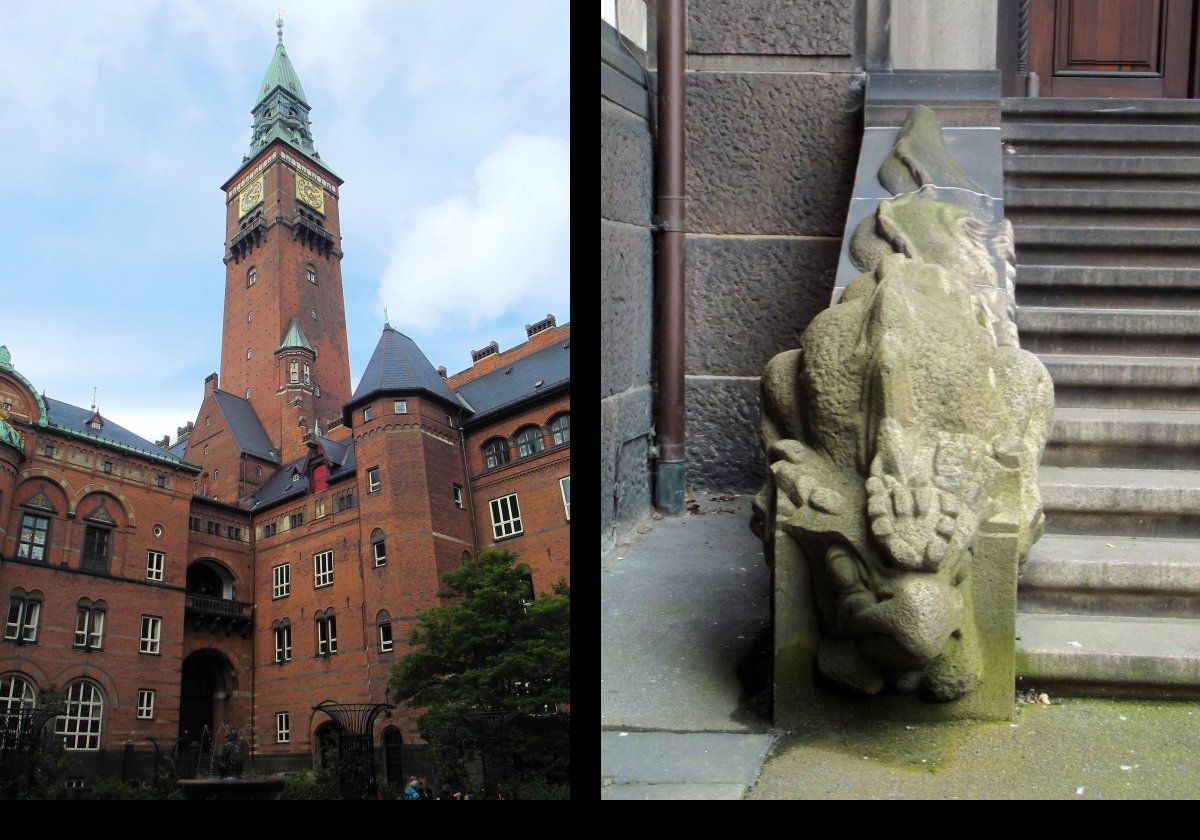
(73, 419)
(179, 448)
(517, 382)
(280, 486)
(245, 427)
(399, 365)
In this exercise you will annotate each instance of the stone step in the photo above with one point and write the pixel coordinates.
(1137, 332)
(1062, 206)
(1108, 287)
(1087, 245)
(1083, 653)
(1090, 138)
(1142, 382)
(1074, 171)
(1108, 111)
(1087, 500)
(1124, 438)
(1113, 575)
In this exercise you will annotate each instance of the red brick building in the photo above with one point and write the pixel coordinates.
(274, 557)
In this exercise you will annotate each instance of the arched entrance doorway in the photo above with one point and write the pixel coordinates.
(326, 740)
(205, 696)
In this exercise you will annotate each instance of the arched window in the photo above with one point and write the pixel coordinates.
(384, 621)
(249, 353)
(16, 696)
(24, 610)
(311, 274)
(495, 453)
(80, 726)
(251, 277)
(307, 375)
(466, 557)
(529, 441)
(378, 548)
(326, 633)
(560, 429)
(295, 373)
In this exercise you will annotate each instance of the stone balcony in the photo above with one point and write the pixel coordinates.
(218, 615)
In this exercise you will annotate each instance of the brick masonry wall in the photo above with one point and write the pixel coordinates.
(626, 289)
(773, 122)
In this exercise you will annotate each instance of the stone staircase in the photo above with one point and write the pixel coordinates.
(1104, 197)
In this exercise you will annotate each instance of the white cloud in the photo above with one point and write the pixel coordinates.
(471, 258)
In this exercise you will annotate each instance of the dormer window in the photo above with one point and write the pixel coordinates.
(95, 424)
(295, 476)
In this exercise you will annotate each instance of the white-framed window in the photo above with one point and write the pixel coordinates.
(33, 540)
(145, 706)
(322, 569)
(385, 637)
(251, 277)
(283, 643)
(380, 551)
(16, 696)
(249, 353)
(311, 274)
(318, 508)
(154, 565)
(247, 393)
(249, 316)
(326, 635)
(151, 639)
(366, 414)
(564, 484)
(560, 429)
(373, 479)
(281, 581)
(506, 517)
(24, 610)
(307, 374)
(294, 376)
(80, 725)
(89, 627)
(530, 441)
(458, 501)
(400, 406)
(283, 727)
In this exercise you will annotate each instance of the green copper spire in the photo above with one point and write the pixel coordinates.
(281, 73)
(294, 338)
(281, 111)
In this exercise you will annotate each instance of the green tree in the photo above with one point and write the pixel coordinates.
(493, 649)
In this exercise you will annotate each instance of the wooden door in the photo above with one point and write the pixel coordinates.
(1112, 48)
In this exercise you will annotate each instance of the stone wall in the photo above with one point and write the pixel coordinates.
(774, 116)
(626, 288)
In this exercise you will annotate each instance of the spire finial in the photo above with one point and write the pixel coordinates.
(94, 390)
(279, 24)
(387, 322)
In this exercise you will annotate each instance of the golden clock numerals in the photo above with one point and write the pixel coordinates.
(250, 197)
(310, 194)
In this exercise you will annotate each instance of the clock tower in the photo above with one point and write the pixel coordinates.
(283, 347)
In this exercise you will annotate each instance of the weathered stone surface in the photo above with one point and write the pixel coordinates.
(626, 306)
(771, 153)
(771, 27)
(723, 445)
(626, 165)
(622, 417)
(750, 298)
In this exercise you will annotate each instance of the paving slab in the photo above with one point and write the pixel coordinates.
(682, 757)
(684, 607)
(673, 791)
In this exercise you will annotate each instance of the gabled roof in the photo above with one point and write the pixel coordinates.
(281, 73)
(179, 448)
(244, 425)
(294, 337)
(279, 487)
(399, 365)
(74, 420)
(518, 382)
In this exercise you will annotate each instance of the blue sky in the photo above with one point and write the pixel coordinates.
(119, 121)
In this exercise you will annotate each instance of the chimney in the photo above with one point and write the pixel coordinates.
(184, 432)
(492, 349)
(210, 384)
(541, 326)
(442, 371)
(165, 443)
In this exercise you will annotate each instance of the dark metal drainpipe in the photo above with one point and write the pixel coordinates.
(669, 261)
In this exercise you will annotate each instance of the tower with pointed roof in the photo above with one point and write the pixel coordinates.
(283, 346)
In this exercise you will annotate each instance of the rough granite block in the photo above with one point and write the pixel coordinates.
(621, 417)
(626, 165)
(771, 153)
(626, 307)
(724, 449)
(749, 298)
(771, 27)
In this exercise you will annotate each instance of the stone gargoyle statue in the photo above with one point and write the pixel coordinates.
(907, 419)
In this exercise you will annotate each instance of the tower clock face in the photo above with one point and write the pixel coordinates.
(250, 197)
(310, 194)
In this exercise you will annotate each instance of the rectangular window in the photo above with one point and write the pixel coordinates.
(345, 501)
(296, 520)
(318, 508)
(283, 643)
(372, 479)
(366, 414)
(380, 553)
(160, 480)
(89, 628)
(154, 565)
(400, 406)
(96, 548)
(295, 373)
(194, 523)
(281, 581)
(151, 634)
(214, 528)
(49, 450)
(564, 484)
(22, 623)
(326, 636)
(270, 529)
(385, 638)
(283, 727)
(322, 569)
(506, 517)
(458, 503)
(145, 706)
(33, 540)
